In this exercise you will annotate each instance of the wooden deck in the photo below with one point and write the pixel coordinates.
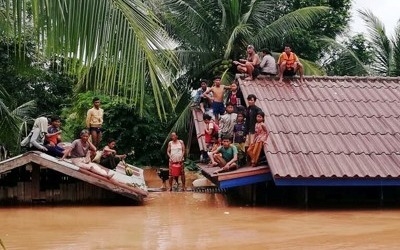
(133, 186)
(240, 177)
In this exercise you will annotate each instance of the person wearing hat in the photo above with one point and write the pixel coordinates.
(251, 65)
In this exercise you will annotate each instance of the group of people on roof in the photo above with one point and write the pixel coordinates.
(46, 136)
(232, 129)
(254, 64)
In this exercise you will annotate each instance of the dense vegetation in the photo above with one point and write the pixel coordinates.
(142, 58)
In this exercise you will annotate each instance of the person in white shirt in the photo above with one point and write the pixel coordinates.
(268, 63)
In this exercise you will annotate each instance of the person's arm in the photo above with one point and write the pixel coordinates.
(92, 147)
(280, 59)
(210, 128)
(108, 149)
(88, 118)
(256, 60)
(205, 94)
(68, 151)
(183, 149)
(295, 58)
(169, 151)
(234, 159)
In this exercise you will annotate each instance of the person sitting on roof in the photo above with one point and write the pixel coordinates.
(203, 101)
(80, 152)
(289, 64)
(53, 137)
(109, 157)
(268, 63)
(250, 65)
(36, 137)
(225, 156)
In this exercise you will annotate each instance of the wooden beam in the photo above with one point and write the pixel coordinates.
(35, 188)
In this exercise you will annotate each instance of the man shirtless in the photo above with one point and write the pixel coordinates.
(250, 65)
(218, 97)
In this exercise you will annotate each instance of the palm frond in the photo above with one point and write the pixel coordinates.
(349, 59)
(301, 18)
(396, 51)
(115, 46)
(382, 45)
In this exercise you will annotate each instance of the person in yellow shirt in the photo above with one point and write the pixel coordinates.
(289, 64)
(94, 121)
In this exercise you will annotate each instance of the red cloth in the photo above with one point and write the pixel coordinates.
(175, 169)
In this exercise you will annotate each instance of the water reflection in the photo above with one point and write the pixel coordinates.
(196, 221)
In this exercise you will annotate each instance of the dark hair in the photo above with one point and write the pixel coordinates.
(229, 104)
(287, 45)
(110, 140)
(206, 117)
(261, 113)
(266, 51)
(240, 113)
(203, 80)
(95, 99)
(226, 137)
(252, 96)
(55, 118)
(216, 77)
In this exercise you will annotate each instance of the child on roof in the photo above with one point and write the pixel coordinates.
(260, 139)
(226, 123)
(53, 137)
(239, 138)
(235, 96)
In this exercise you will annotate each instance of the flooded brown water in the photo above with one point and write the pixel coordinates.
(187, 220)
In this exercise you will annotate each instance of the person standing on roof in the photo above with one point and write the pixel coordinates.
(94, 121)
(250, 65)
(260, 139)
(289, 64)
(251, 118)
(218, 97)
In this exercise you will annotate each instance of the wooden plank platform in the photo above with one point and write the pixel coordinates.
(133, 186)
(239, 177)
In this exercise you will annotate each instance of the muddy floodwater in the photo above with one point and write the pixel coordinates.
(188, 220)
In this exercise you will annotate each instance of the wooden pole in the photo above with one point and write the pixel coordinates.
(189, 142)
(35, 182)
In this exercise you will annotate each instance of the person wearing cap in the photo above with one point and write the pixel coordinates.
(289, 64)
(250, 65)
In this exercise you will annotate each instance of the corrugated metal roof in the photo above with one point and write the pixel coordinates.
(331, 126)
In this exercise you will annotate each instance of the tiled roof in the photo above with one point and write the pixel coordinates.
(331, 126)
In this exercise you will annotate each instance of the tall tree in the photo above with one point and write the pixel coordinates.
(333, 23)
(120, 42)
(210, 32)
(386, 50)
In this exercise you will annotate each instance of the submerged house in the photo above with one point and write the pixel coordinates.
(325, 132)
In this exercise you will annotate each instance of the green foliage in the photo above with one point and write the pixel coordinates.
(304, 41)
(112, 44)
(27, 78)
(353, 59)
(143, 135)
(190, 165)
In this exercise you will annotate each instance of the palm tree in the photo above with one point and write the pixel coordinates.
(13, 117)
(386, 50)
(117, 47)
(211, 32)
